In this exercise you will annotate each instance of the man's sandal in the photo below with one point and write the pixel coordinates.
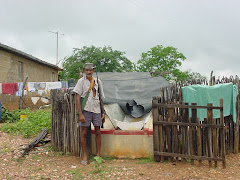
(84, 163)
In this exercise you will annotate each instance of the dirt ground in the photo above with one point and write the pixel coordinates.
(43, 163)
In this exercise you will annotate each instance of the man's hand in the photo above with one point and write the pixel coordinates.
(82, 118)
(103, 118)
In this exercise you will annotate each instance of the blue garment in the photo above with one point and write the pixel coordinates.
(202, 95)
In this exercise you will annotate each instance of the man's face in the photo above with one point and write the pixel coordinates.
(89, 72)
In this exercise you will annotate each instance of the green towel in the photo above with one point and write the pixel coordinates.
(84, 101)
(202, 95)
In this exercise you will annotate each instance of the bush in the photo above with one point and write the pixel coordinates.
(9, 116)
(32, 125)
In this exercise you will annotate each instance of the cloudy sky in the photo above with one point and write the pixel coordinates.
(207, 32)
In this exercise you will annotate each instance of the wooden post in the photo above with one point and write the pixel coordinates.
(161, 140)
(222, 134)
(21, 97)
(209, 138)
(215, 141)
(185, 131)
(193, 133)
(155, 128)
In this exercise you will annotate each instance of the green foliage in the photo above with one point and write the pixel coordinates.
(9, 116)
(105, 58)
(166, 60)
(146, 160)
(195, 76)
(32, 125)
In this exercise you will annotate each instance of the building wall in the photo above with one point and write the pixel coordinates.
(9, 70)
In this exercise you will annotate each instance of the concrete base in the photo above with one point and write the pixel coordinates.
(125, 144)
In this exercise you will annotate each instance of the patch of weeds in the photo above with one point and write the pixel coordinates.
(42, 177)
(230, 164)
(165, 161)
(97, 171)
(145, 160)
(68, 153)
(4, 145)
(188, 160)
(141, 174)
(38, 169)
(60, 153)
(49, 148)
(109, 158)
(98, 166)
(117, 176)
(76, 173)
(6, 176)
(35, 157)
(18, 159)
(30, 126)
(5, 150)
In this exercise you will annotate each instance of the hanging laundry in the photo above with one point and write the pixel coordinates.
(9, 88)
(35, 100)
(64, 84)
(30, 87)
(0, 88)
(44, 100)
(41, 92)
(53, 85)
(40, 85)
(20, 87)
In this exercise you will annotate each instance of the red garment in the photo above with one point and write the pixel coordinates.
(9, 88)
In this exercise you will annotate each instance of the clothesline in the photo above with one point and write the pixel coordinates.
(40, 87)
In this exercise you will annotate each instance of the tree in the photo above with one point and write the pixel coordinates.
(166, 60)
(105, 58)
(195, 77)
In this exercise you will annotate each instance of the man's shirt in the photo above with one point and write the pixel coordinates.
(93, 103)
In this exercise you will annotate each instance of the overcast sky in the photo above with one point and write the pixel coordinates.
(207, 32)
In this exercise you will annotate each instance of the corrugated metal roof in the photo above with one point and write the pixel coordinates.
(27, 56)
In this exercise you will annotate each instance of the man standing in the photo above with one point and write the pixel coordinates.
(90, 109)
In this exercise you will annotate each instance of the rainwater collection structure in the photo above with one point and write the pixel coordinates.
(128, 129)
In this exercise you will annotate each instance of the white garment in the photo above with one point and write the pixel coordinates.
(31, 87)
(53, 85)
(44, 100)
(0, 88)
(35, 100)
(20, 86)
(40, 92)
(93, 103)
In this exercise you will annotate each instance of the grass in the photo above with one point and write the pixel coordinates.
(4, 148)
(30, 126)
(146, 160)
(76, 173)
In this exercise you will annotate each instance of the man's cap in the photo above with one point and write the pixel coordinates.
(89, 66)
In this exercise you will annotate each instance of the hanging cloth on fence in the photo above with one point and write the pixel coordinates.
(53, 85)
(35, 100)
(40, 85)
(202, 95)
(20, 89)
(9, 88)
(30, 87)
(0, 88)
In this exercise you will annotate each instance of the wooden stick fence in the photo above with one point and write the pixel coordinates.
(65, 128)
(178, 136)
(193, 139)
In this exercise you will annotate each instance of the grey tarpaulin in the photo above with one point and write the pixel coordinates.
(133, 91)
